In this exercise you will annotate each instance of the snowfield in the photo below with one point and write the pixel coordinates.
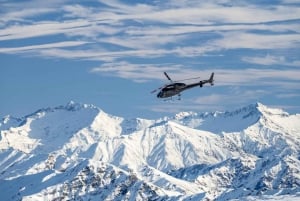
(78, 152)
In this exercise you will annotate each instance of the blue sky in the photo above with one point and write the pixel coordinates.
(113, 54)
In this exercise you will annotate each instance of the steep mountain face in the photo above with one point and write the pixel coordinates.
(78, 152)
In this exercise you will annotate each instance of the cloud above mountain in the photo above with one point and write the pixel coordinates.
(115, 30)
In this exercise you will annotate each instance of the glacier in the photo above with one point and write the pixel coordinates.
(79, 152)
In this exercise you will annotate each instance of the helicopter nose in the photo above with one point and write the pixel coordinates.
(159, 95)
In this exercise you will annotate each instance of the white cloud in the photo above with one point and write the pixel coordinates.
(77, 11)
(135, 72)
(119, 7)
(43, 46)
(188, 29)
(258, 77)
(291, 1)
(143, 42)
(139, 43)
(283, 78)
(204, 13)
(104, 33)
(98, 54)
(234, 97)
(267, 60)
(237, 40)
(44, 28)
(22, 10)
(154, 28)
(25, 13)
(288, 95)
(271, 60)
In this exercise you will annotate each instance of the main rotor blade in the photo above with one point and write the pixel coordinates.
(193, 78)
(168, 76)
(155, 90)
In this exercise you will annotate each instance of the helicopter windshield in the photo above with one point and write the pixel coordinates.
(174, 86)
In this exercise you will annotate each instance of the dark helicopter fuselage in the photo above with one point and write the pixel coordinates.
(175, 88)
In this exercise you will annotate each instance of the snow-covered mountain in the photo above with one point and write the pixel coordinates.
(78, 152)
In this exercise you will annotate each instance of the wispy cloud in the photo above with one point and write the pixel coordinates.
(115, 31)
(136, 72)
(187, 29)
(236, 40)
(77, 11)
(138, 40)
(42, 46)
(271, 60)
(291, 1)
(213, 99)
(148, 31)
(205, 13)
(288, 78)
(288, 95)
(25, 11)
(44, 28)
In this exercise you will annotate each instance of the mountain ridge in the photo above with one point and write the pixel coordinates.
(249, 152)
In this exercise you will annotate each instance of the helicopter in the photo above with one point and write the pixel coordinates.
(175, 88)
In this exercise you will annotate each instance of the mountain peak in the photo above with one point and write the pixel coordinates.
(269, 110)
(228, 121)
(70, 106)
(74, 106)
(9, 121)
(221, 121)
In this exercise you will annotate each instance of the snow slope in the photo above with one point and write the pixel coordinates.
(77, 151)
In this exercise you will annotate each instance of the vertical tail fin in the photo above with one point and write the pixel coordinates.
(211, 79)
